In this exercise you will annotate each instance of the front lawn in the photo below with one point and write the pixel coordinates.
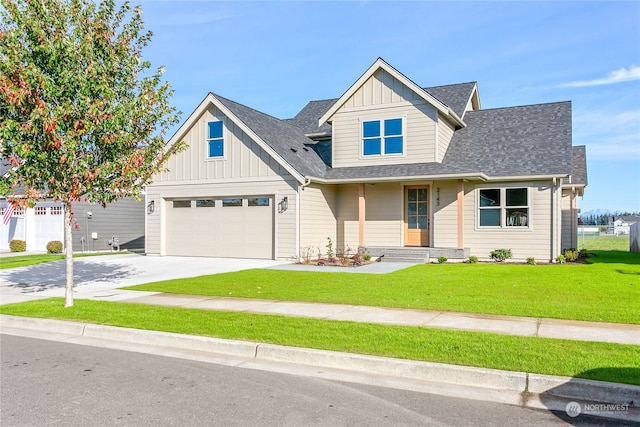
(591, 360)
(606, 290)
(26, 260)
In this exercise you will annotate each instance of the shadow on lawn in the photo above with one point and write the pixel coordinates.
(52, 275)
(618, 408)
(614, 257)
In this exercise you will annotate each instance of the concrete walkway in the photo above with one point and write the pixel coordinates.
(99, 278)
(508, 325)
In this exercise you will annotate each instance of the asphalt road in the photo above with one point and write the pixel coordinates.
(51, 383)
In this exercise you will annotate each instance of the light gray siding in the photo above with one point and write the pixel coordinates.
(384, 214)
(533, 241)
(318, 218)
(445, 133)
(243, 157)
(347, 214)
(569, 219)
(384, 97)
(444, 225)
(124, 219)
(282, 233)
(246, 170)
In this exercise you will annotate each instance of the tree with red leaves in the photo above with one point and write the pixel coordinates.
(83, 117)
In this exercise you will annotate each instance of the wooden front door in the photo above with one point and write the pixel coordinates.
(416, 216)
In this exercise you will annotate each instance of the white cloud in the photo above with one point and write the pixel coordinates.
(617, 76)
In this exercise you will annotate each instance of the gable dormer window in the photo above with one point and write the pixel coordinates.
(215, 139)
(382, 137)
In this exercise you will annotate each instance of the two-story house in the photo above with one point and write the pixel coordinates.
(389, 164)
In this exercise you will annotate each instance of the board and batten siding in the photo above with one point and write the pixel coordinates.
(245, 170)
(534, 241)
(384, 97)
(123, 219)
(317, 218)
(243, 157)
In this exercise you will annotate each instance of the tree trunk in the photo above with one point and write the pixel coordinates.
(68, 245)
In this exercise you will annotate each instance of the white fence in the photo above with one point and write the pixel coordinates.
(634, 237)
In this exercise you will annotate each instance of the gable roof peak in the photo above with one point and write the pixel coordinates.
(382, 64)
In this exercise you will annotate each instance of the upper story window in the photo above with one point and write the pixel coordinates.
(382, 137)
(504, 207)
(215, 139)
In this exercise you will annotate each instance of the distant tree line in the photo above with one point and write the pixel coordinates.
(603, 219)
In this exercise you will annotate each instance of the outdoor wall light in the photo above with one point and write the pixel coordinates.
(283, 205)
(151, 206)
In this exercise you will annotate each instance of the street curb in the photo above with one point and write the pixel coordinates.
(535, 390)
(412, 369)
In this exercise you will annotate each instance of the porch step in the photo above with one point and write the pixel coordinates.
(416, 255)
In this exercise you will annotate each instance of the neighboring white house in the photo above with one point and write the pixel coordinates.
(95, 227)
(37, 226)
(621, 225)
(389, 164)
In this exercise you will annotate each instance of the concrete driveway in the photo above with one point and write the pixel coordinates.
(100, 276)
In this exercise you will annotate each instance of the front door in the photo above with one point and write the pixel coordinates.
(416, 216)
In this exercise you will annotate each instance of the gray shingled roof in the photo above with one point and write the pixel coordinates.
(579, 165)
(514, 141)
(284, 138)
(531, 140)
(454, 96)
(307, 118)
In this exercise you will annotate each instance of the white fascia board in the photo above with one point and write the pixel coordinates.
(210, 99)
(402, 178)
(266, 147)
(380, 63)
(527, 177)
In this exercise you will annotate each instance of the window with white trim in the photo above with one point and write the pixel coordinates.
(382, 137)
(503, 207)
(40, 210)
(215, 139)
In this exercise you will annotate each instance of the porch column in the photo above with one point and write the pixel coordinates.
(460, 214)
(361, 213)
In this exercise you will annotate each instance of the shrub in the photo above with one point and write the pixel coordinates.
(500, 255)
(473, 259)
(366, 257)
(442, 259)
(584, 253)
(571, 254)
(531, 261)
(54, 247)
(560, 259)
(18, 245)
(329, 247)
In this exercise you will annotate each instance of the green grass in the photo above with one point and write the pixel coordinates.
(607, 290)
(27, 260)
(604, 243)
(599, 361)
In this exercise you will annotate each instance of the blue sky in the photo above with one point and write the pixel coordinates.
(277, 56)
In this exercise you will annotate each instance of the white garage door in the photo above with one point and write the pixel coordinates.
(231, 227)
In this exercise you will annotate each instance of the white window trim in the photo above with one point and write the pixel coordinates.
(382, 153)
(207, 140)
(503, 209)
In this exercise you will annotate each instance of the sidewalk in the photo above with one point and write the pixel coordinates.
(508, 325)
